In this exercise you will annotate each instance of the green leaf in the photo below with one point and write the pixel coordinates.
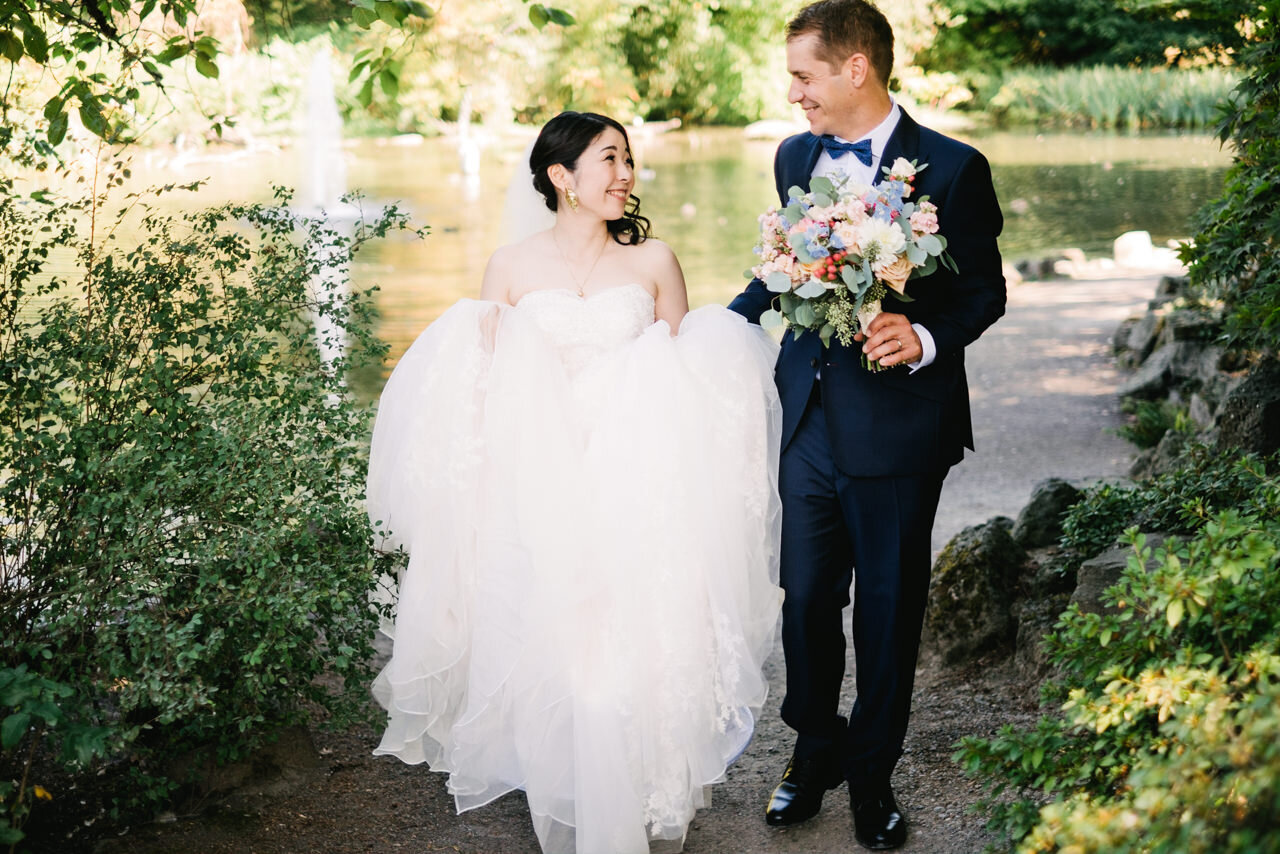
(811, 289)
(538, 15)
(777, 282)
(771, 319)
(823, 186)
(13, 729)
(365, 96)
(10, 46)
(822, 200)
(35, 41)
(53, 107)
(363, 17)
(1174, 613)
(390, 83)
(805, 315)
(560, 17)
(389, 13)
(421, 10)
(92, 118)
(206, 66)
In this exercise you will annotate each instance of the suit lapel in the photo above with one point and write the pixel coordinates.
(800, 165)
(903, 142)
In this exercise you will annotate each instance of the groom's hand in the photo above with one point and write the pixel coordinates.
(891, 340)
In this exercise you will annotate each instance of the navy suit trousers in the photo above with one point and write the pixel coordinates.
(871, 533)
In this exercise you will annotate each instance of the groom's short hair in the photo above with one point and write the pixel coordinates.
(846, 27)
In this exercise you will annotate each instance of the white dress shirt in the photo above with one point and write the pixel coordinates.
(852, 167)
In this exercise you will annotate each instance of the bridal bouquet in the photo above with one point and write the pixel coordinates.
(833, 253)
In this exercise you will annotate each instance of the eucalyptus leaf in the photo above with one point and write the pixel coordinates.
(822, 200)
(930, 243)
(794, 192)
(778, 282)
(822, 185)
(771, 319)
(811, 289)
(916, 255)
(805, 315)
(851, 274)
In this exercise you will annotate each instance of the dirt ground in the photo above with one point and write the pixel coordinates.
(1043, 398)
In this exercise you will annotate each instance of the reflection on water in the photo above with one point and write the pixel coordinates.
(703, 190)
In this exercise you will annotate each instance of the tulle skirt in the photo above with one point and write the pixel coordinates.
(591, 588)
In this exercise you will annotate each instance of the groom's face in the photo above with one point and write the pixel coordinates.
(826, 92)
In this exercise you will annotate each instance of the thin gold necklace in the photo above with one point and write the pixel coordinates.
(569, 267)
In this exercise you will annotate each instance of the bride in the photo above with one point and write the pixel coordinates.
(583, 473)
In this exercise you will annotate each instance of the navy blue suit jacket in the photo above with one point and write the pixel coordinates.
(894, 422)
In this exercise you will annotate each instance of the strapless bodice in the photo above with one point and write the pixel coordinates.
(583, 328)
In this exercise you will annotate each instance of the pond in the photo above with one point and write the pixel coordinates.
(703, 190)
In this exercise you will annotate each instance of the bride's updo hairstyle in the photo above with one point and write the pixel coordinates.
(562, 140)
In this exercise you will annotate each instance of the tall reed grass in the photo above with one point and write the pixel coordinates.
(1111, 97)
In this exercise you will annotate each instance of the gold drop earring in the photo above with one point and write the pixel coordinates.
(572, 198)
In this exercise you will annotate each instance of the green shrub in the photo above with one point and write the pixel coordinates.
(1234, 256)
(1150, 420)
(183, 546)
(1208, 481)
(1107, 97)
(1167, 737)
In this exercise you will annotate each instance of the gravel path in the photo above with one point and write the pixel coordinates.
(1043, 401)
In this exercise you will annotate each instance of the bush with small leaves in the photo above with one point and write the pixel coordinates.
(184, 552)
(1167, 740)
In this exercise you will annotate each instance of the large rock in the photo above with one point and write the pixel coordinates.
(971, 596)
(1101, 572)
(1190, 326)
(1040, 522)
(1144, 334)
(1249, 418)
(1165, 457)
(1165, 367)
(1036, 618)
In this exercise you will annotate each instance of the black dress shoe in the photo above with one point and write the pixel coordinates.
(878, 824)
(799, 796)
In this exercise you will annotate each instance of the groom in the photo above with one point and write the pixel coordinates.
(864, 454)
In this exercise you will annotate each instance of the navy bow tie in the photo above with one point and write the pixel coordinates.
(838, 149)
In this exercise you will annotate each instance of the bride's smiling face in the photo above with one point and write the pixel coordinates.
(604, 175)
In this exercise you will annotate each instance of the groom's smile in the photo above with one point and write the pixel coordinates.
(831, 95)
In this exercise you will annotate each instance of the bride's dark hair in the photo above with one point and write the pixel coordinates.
(562, 140)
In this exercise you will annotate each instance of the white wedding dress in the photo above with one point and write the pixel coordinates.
(591, 513)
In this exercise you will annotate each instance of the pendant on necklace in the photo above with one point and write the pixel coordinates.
(580, 293)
